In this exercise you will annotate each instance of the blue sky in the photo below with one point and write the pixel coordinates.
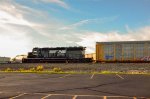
(134, 13)
(50, 23)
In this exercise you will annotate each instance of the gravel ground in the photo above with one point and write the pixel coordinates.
(121, 67)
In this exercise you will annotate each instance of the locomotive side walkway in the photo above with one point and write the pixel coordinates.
(74, 86)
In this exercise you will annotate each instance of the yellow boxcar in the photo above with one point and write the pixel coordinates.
(123, 51)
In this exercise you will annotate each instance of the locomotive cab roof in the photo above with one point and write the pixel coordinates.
(61, 48)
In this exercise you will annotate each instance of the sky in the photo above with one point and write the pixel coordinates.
(25, 24)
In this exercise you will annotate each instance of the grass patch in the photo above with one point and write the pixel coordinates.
(70, 72)
(108, 72)
(57, 70)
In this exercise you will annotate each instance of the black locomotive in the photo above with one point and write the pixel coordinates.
(57, 55)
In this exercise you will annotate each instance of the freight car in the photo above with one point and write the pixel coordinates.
(123, 51)
(57, 55)
(4, 59)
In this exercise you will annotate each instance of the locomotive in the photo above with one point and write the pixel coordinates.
(57, 55)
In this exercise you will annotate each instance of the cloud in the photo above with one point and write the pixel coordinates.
(12, 13)
(75, 25)
(8, 18)
(13, 41)
(13, 38)
(89, 21)
(15, 29)
(23, 28)
(57, 2)
(90, 38)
